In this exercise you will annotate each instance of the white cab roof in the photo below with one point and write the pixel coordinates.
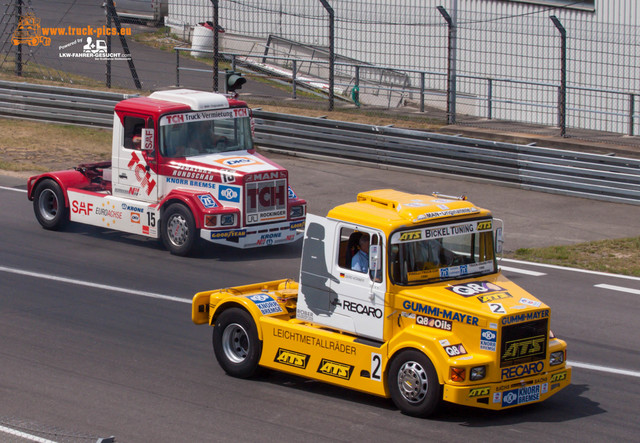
(197, 100)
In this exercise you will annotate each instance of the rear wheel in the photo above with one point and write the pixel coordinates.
(49, 206)
(413, 384)
(236, 344)
(179, 233)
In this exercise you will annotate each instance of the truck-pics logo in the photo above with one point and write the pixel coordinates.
(335, 369)
(29, 32)
(292, 358)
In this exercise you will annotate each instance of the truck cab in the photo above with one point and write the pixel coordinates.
(428, 316)
(183, 167)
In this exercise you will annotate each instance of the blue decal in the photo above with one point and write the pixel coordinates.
(488, 340)
(292, 194)
(521, 396)
(228, 193)
(207, 201)
(266, 304)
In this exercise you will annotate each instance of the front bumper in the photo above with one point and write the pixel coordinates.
(256, 236)
(509, 393)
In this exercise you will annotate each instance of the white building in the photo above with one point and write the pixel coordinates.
(507, 57)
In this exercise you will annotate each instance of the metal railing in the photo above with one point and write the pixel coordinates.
(58, 104)
(528, 167)
(578, 174)
(489, 97)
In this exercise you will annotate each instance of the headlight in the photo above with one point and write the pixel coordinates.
(478, 373)
(227, 219)
(296, 211)
(556, 358)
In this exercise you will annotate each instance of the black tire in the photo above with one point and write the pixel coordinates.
(413, 384)
(49, 205)
(178, 230)
(236, 344)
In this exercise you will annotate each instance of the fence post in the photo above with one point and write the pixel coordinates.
(562, 90)
(329, 9)
(111, 10)
(451, 66)
(108, 66)
(490, 99)
(294, 70)
(177, 67)
(422, 88)
(632, 110)
(215, 44)
(18, 69)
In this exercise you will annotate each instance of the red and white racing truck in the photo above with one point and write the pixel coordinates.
(183, 167)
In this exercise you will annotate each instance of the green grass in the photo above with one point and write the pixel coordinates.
(618, 256)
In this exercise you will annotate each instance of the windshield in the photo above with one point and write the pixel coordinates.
(198, 133)
(443, 252)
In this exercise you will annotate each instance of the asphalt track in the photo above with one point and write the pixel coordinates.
(96, 337)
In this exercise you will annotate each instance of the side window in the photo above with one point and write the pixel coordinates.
(133, 132)
(354, 250)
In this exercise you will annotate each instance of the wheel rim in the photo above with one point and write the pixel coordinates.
(48, 204)
(235, 343)
(412, 382)
(177, 230)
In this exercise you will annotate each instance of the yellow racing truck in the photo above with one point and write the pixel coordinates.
(399, 295)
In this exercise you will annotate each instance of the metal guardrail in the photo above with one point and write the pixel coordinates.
(557, 171)
(528, 167)
(58, 104)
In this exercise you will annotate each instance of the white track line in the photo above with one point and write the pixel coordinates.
(13, 189)
(94, 285)
(24, 435)
(183, 300)
(603, 369)
(564, 268)
(523, 271)
(618, 288)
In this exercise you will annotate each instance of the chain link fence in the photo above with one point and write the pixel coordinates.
(467, 62)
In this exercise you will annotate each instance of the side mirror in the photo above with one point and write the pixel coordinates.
(374, 257)
(499, 240)
(147, 139)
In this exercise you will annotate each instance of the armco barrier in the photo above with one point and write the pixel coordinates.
(551, 170)
(593, 176)
(58, 104)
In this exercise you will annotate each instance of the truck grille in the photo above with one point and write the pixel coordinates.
(524, 342)
(266, 201)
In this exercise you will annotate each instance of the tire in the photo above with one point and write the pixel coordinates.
(179, 233)
(49, 206)
(413, 384)
(236, 344)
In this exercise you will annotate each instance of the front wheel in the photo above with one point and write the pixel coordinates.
(413, 384)
(236, 344)
(179, 233)
(49, 205)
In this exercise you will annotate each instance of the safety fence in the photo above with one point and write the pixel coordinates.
(564, 172)
(571, 65)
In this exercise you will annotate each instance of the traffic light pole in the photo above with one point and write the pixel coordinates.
(216, 52)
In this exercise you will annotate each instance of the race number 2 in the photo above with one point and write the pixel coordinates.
(376, 367)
